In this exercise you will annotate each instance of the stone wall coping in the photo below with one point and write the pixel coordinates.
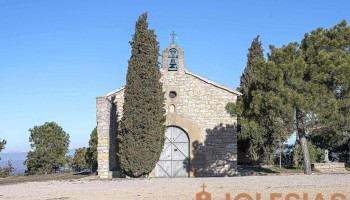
(114, 92)
(328, 164)
(212, 82)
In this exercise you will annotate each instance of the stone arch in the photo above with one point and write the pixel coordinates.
(175, 157)
(192, 130)
(180, 58)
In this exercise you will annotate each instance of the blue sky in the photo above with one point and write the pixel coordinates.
(57, 56)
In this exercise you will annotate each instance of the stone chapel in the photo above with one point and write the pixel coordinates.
(201, 138)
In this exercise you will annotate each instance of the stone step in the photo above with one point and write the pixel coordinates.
(330, 167)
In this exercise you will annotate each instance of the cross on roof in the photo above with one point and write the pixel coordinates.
(203, 186)
(173, 35)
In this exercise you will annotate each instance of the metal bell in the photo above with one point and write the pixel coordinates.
(172, 62)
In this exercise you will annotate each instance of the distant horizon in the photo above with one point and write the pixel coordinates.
(7, 152)
(17, 159)
(291, 140)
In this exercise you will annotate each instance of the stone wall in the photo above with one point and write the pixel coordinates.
(202, 102)
(106, 116)
(330, 167)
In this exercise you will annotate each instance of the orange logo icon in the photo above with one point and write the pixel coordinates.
(203, 195)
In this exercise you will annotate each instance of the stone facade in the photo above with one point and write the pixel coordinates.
(198, 108)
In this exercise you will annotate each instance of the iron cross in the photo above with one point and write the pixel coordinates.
(173, 35)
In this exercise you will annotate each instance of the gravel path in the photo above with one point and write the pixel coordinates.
(179, 188)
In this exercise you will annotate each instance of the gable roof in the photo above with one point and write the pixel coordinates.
(212, 82)
(114, 91)
(191, 74)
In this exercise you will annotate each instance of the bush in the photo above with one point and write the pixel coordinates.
(316, 155)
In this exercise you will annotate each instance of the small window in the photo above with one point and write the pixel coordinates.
(172, 108)
(172, 94)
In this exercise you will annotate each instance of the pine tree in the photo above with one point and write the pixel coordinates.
(8, 170)
(50, 146)
(299, 102)
(317, 87)
(2, 146)
(303, 89)
(142, 125)
(327, 54)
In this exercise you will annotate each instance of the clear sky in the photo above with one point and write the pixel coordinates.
(56, 57)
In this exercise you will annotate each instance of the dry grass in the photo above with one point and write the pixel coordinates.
(41, 178)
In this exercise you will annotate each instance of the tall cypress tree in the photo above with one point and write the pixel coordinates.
(248, 77)
(250, 134)
(255, 109)
(142, 125)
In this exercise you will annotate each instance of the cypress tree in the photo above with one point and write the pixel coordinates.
(255, 109)
(248, 78)
(250, 135)
(142, 126)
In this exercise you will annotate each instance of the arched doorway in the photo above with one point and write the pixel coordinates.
(174, 159)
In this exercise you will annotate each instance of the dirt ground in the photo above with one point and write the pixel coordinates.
(90, 187)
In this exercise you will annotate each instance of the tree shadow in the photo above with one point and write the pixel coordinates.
(217, 155)
(114, 161)
(255, 170)
(114, 164)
